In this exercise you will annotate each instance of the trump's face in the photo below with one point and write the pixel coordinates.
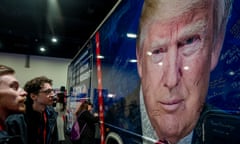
(174, 62)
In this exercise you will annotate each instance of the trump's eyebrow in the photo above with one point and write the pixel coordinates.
(193, 28)
(159, 42)
(198, 27)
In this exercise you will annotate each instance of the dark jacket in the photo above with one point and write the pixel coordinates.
(5, 138)
(87, 136)
(34, 122)
(16, 125)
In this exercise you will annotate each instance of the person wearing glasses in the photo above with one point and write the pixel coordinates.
(40, 115)
(12, 98)
(178, 45)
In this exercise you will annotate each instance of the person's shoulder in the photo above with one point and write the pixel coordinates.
(5, 138)
(15, 118)
(51, 111)
(3, 134)
(16, 123)
(84, 112)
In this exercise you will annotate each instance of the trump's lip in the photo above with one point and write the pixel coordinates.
(171, 105)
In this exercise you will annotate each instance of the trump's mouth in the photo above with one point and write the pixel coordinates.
(171, 105)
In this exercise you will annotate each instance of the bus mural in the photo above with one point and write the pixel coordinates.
(105, 72)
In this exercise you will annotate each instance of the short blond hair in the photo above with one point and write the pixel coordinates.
(6, 70)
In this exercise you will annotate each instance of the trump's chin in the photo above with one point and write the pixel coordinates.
(171, 136)
(172, 130)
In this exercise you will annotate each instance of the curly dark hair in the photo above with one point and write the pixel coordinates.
(34, 85)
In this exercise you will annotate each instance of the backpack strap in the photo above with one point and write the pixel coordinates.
(84, 124)
(83, 128)
(81, 113)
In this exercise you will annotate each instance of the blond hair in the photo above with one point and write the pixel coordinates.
(6, 70)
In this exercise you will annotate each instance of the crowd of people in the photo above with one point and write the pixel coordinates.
(28, 115)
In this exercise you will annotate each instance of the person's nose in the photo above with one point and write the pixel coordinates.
(172, 70)
(52, 94)
(23, 93)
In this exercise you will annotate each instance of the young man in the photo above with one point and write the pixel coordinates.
(178, 46)
(40, 116)
(12, 98)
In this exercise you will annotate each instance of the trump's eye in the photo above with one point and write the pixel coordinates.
(158, 51)
(190, 45)
(188, 41)
(157, 54)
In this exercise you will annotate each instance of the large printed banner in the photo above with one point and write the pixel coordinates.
(114, 78)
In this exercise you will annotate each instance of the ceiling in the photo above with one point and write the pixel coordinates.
(27, 25)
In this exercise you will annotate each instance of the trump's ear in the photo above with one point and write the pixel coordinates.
(217, 50)
(139, 62)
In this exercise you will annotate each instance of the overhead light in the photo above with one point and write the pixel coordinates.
(54, 40)
(42, 49)
(131, 35)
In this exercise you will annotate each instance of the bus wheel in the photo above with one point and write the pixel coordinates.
(113, 138)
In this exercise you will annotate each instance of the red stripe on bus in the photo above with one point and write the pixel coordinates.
(100, 96)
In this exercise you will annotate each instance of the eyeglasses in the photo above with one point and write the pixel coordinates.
(47, 91)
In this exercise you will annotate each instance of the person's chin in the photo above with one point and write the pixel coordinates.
(22, 108)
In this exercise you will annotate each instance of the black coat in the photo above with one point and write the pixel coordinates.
(32, 120)
(16, 126)
(87, 136)
(5, 138)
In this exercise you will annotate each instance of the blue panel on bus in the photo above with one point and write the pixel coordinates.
(224, 87)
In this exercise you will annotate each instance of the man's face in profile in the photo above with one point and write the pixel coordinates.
(174, 66)
(44, 97)
(12, 96)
